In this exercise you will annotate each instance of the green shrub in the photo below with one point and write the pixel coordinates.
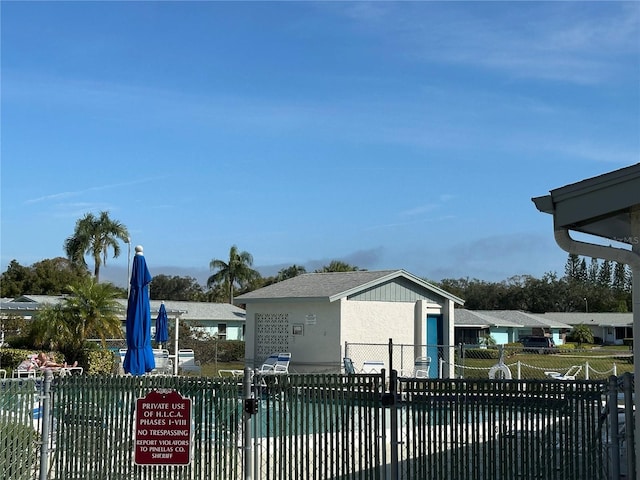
(511, 349)
(10, 358)
(98, 361)
(231, 351)
(482, 353)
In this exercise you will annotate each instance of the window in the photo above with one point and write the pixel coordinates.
(222, 331)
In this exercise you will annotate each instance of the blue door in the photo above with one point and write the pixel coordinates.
(433, 338)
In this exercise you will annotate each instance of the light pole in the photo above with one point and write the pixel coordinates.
(128, 265)
(586, 305)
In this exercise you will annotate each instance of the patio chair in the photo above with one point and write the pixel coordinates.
(235, 373)
(164, 365)
(421, 367)
(187, 361)
(372, 366)
(570, 374)
(71, 371)
(122, 352)
(276, 363)
(349, 369)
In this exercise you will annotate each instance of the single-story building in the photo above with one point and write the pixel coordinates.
(314, 315)
(506, 326)
(607, 328)
(471, 326)
(222, 319)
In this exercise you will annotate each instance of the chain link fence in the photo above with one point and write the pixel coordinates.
(481, 361)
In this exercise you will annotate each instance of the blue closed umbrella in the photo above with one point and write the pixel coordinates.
(162, 326)
(139, 357)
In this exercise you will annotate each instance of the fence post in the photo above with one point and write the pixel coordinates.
(519, 367)
(613, 427)
(246, 420)
(45, 400)
(615, 369)
(627, 388)
(393, 379)
(586, 370)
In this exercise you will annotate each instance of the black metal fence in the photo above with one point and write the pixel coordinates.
(324, 426)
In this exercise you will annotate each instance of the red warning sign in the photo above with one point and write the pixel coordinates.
(163, 429)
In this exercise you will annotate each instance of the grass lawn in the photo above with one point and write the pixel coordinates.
(211, 369)
(533, 365)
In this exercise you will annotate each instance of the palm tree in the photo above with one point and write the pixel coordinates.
(337, 266)
(90, 311)
(290, 272)
(237, 272)
(95, 236)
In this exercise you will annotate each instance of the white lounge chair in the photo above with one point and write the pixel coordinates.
(276, 363)
(372, 366)
(421, 367)
(236, 373)
(187, 361)
(164, 365)
(122, 353)
(570, 374)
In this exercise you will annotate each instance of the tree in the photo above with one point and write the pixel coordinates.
(90, 311)
(620, 277)
(593, 271)
(50, 276)
(337, 266)
(163, 287)
(53, 276)
(95, 236)
(604, 275)
(290, 272)
(572, 268)
(16, 281)
(582, 271)
(581, 334)
(236, 273)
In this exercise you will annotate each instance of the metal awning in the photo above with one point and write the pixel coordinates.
(607, 206)
(598, 206)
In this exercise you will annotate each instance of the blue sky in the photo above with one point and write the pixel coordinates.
(388, 135)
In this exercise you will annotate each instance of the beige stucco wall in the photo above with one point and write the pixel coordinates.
(317, 349)
(377, 322)
(327, 326)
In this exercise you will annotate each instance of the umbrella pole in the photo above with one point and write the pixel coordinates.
(175, 349)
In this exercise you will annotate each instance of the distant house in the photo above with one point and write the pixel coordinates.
(471, 326)
(313, 315)
(607, 328)
(224, 320)
(506, 326)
